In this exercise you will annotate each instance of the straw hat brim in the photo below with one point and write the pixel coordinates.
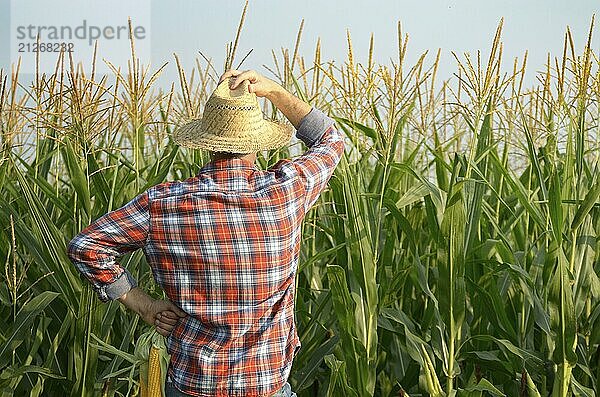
(271, 135)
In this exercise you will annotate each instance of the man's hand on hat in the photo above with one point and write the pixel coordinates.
(291, 106)
(259, 84)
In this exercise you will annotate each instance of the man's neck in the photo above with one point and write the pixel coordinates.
(250, 157)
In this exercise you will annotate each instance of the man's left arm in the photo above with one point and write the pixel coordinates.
(94, 252)
(95, 249)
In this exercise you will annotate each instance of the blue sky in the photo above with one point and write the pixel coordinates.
(186, 26)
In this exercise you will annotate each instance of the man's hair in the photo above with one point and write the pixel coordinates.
(228, 154)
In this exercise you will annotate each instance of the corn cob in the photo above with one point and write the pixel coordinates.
(154, 375)
(151, 353)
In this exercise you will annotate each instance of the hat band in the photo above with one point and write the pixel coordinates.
(229, 107)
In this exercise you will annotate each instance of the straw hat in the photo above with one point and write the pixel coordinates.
(233, 122)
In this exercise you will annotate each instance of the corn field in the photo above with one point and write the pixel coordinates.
(455, 251)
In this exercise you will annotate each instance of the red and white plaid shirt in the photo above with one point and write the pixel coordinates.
(224, 247)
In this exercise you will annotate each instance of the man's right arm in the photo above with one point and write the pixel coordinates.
(292, 107)
(325, 149)
(325, 143)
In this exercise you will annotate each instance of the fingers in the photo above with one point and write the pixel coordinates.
(177, 310)
(165, 324)
(229, 73)
(250, 75)
(168, 317)
(166, 305)
(170, 314)
(163, 329)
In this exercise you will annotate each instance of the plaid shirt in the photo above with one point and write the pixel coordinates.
(224, 247)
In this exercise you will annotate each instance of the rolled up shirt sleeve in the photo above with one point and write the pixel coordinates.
(325, 149)
(94, 251)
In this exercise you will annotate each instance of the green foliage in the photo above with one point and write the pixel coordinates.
(454, 253)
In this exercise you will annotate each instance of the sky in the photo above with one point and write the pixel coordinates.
(185, 27)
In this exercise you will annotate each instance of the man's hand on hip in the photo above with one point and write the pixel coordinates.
(163, 314)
